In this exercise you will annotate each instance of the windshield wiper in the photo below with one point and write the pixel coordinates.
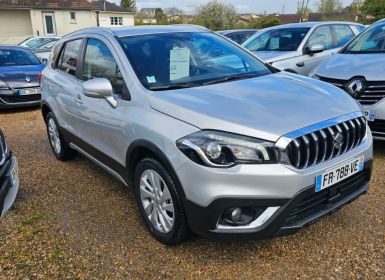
(176, 86)
(231, 78)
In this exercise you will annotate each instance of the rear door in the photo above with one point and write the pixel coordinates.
(64, 85)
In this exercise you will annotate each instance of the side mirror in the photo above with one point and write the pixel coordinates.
(100, 88)
(44, 60)
(316, 48)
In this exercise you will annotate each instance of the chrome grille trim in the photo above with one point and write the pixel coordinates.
(318, 143)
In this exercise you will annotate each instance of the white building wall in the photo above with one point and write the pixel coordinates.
(15, 26)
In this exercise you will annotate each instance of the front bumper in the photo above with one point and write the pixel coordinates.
(378, 126)
(10, 99)
(9, 185)
(305, 208)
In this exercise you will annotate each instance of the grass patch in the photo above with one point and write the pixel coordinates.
(33, 219)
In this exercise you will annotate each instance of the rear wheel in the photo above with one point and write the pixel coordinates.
(159, 202)
(59, 145)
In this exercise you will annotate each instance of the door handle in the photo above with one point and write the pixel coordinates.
(79, 99)
(301, 64)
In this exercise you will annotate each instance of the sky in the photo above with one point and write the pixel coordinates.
(243, 6)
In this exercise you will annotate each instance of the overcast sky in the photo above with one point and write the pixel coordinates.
(243, 6)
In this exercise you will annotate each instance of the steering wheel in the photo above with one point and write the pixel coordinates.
(206, 63)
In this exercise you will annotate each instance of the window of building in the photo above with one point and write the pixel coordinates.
(116, 20)
(73, 16)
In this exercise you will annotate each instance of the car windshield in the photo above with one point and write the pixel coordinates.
(45, 46)
(370, 41)
(32, 43)
(17, 57)
(277, 39)
(188, 59)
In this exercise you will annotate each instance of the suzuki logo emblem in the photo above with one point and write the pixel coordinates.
(355, 87)
(28, 79)
(338, 140)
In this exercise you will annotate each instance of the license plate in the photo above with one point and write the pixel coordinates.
(370, 115)
(14, 173)
(30, 91)
(337, 174)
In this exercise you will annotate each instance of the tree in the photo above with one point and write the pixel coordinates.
(329, 7)
(160, 16)
(129, 5)
(264, 22)
(374, 9)
(174, 15)
(216, 16)
(303, 9)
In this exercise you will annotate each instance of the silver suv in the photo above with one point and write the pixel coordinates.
(211, 139)
(359, 70)
(300, 47)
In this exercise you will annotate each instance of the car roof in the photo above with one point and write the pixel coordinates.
(311, 24)
(143, 29)
(13, 47)
(236, 30)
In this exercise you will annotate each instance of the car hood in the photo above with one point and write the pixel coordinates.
(16, 76)
(274, 55)
(347, 66)
(265, 107)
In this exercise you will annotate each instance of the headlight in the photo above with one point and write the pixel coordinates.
(222, 149)
(3, 85)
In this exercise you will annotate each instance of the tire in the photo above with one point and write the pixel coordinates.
(165, 216)
(59, 145)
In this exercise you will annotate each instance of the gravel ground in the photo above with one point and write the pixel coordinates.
(74, 221)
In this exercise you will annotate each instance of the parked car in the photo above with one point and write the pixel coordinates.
(43, 51)
(211, 139)
(20, 73)
(300, 47)
(359, 70)
(32, 42)
(239, 36)
(9, 178)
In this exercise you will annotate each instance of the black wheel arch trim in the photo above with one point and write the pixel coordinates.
(142, 143)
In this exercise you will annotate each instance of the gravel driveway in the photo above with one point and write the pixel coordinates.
(74, 221)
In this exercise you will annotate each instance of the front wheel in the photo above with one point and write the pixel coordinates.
(59, 145)
(159, 202)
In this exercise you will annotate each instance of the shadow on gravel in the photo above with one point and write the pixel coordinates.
(19, 110)
(379, 148)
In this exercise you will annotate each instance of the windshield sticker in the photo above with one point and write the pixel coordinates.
(151, 79)
(179, 63)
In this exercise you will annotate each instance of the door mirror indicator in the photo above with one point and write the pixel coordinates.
(316, 48)
(100, 88)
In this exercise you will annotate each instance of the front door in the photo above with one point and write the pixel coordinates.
(49, 23)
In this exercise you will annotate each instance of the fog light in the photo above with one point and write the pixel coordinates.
(240, 216)
(236, 214)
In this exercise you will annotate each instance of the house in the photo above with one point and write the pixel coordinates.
(20, 19)
(111, 15)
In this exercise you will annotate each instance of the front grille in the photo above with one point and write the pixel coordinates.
(378, 128)
(21, 99)
(315, 202)
(373, 91)
(327, 143)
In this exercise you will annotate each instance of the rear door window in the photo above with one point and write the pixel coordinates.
(69, 57)
(342, 34)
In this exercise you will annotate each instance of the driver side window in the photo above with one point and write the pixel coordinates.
(321, 36)
(100, 63)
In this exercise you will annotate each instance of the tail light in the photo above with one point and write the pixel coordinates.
(39, 77)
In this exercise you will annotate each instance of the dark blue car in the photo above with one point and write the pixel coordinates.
(20, 73)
